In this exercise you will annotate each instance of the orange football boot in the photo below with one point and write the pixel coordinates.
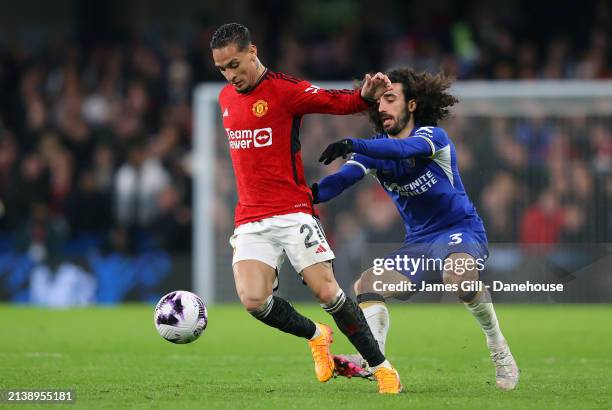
(388, 381)
(323, 359)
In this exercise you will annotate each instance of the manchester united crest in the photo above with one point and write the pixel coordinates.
(260, 108)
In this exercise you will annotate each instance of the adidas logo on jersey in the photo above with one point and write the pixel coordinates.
(240, 139)
(321, 249)
(313, 89)
(226, 113)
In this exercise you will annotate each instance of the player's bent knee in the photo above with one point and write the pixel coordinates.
(327, 293)
(463, 268)
(252, 304)
(455, 278)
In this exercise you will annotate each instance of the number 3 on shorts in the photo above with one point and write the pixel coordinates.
(455, 238)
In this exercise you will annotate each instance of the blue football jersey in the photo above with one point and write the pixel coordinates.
(426, 189)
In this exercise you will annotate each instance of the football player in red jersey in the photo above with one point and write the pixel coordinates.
(262, 112)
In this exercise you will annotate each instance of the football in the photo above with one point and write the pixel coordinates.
(180, 317)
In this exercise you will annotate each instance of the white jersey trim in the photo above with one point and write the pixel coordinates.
(360, 165)
(431, 144)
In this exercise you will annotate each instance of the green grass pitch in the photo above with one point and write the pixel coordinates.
(114, 359)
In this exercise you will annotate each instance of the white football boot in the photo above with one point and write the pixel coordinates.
(506, 370)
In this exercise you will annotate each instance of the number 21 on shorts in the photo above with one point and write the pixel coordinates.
(309, 231)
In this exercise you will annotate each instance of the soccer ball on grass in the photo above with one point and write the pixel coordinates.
(180, 317)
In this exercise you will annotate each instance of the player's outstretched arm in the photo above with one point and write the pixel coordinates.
(304, 98)
(378, 148)
(333, 185)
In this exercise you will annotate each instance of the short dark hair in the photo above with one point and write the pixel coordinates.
(231, 33)
(430, 92)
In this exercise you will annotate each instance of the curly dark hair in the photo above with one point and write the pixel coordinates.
(231, 33)
(430, 92)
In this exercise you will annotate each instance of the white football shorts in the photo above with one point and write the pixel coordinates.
(297, 235)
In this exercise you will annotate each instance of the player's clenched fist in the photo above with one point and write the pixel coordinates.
(374, 86)
(336, 150)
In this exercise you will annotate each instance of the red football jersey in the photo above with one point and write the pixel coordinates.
(263, 127)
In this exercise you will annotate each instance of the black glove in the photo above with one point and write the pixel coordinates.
(336, 150)
(315, 193)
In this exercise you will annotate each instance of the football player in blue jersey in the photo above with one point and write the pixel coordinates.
(416, 163)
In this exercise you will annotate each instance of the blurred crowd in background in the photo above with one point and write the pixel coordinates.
(96, 126)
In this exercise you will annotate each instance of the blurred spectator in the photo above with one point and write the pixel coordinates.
(535, 135)
(88, 207)
(30, 186)
(8, 162)
(542, 223)
(61, 171)
(500, 199)
(40, 235)
(574, 228)
(173, 224)
(104, 167)
(138, 182)
(602, 149)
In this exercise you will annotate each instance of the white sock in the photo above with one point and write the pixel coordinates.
(384, 364)
(317, 332)
(377, 316)
(482, 309)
